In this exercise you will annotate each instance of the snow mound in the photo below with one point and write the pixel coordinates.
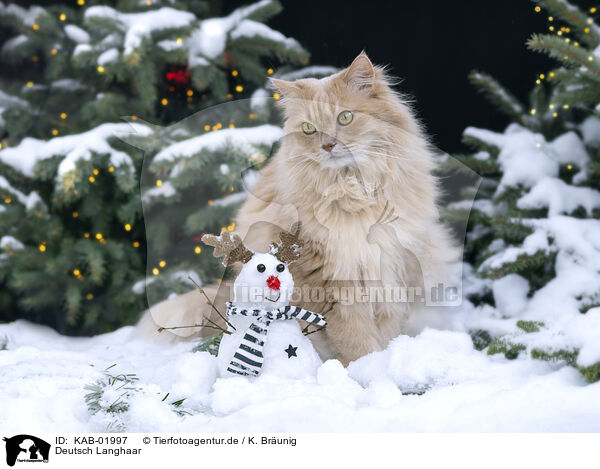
(435, 381)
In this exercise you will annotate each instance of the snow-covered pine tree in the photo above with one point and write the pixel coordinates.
(533, 244)
(72, 237)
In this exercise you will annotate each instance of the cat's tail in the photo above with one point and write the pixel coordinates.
(189, 309)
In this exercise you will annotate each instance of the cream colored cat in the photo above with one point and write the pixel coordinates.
(356, 169)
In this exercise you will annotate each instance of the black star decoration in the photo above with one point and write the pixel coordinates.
(291, 351)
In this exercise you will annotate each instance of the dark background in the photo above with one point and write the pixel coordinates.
(431, 46)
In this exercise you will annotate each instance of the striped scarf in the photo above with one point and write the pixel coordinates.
(248, 359)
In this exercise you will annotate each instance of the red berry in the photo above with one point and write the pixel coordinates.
(273, 283)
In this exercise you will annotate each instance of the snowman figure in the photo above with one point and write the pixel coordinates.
(263, 334)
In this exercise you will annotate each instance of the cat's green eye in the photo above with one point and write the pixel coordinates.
(308, 128)
(345, 117)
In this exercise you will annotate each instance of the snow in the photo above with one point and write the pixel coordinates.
(209, 40)
(170, 45)
(259, 100)
(310, 71)
(139, 26)
(10, 102)
(76, 34)
(213, 141)
(108, 56)
(510, 294)
(73, 148)
(67, 84)
(9, 242)
(252, 29)
(231, 199)
(464, 390)
(81, 49)
(526, 158)
(590, 128)
(559, 197)
(30, 201)
(14, 42)
(165, 190)
(556, 305)
(27, 16)
(537, 241)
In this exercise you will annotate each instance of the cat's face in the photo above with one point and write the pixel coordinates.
(341, 120)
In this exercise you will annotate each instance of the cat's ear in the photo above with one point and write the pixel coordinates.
(360, 74)
(285, 88)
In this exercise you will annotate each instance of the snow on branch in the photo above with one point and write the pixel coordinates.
(71, 148)
(213, 141)
(138, 26)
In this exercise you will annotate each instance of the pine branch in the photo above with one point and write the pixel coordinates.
(566, 52)
(572, 15)
(498, 95)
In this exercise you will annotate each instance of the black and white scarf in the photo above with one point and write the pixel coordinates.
(248, 358)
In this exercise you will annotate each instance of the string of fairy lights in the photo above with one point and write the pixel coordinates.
(561, 31)
(164, 101)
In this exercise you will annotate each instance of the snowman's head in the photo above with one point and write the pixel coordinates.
(265, 281)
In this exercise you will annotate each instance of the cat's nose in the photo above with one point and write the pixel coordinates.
(328, 146)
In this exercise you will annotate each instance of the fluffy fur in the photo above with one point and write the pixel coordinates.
(381, 162)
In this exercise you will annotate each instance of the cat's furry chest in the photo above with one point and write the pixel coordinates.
(344, 248)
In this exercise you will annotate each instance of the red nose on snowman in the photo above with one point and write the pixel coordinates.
(273, 283)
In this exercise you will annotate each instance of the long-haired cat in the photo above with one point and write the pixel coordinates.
(356, 169)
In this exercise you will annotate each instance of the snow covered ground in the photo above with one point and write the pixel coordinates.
(435, 381)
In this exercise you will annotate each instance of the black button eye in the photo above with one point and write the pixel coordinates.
(261, 267)
(280, 267)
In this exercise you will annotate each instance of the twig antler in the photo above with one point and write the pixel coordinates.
(229, 246)
(201, 290)
(288, 249)
(323, 312)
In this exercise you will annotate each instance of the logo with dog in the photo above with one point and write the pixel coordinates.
(26, 448)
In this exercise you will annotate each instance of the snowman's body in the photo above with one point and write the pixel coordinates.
(297, 362)
(266, 284)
